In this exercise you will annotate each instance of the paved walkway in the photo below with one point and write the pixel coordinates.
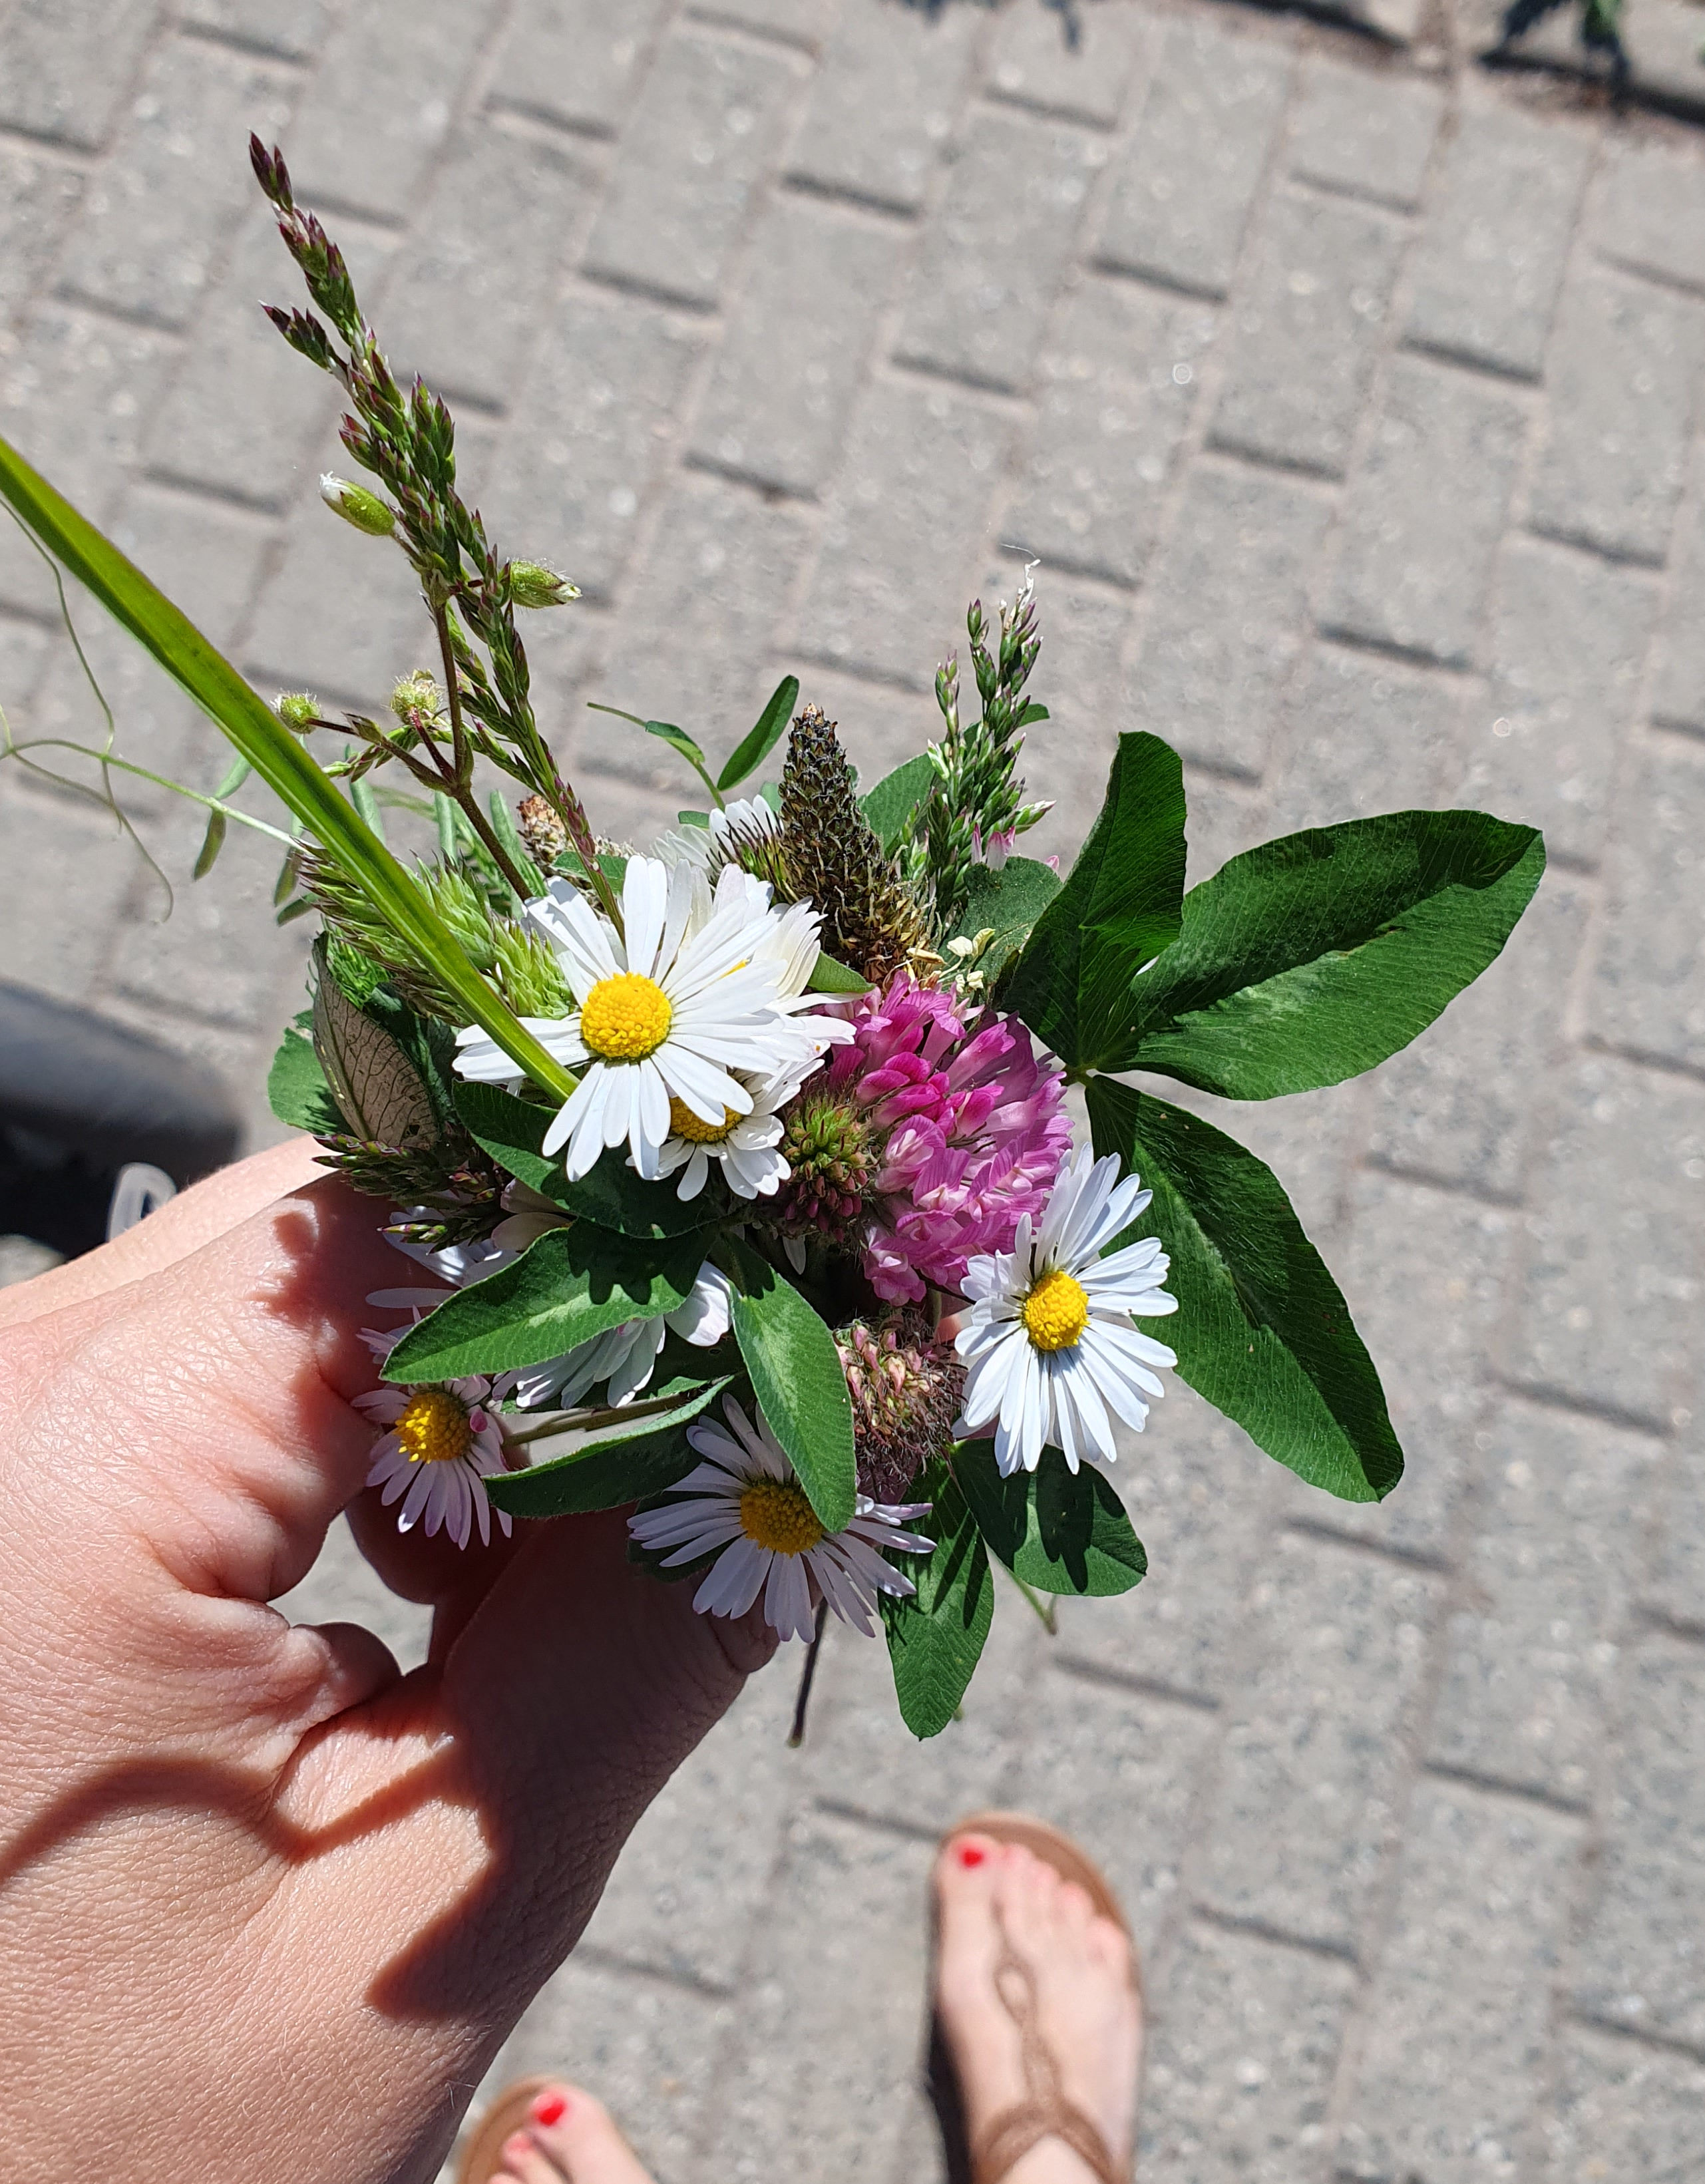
(1349, 399)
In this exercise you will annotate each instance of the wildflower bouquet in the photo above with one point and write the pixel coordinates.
(737, 1174)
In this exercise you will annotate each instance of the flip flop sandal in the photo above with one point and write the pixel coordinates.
(511, 2112)
(1044, 2112)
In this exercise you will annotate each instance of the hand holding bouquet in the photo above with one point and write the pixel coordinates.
(746, 1157)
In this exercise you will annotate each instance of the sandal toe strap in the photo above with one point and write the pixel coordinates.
(1046, 2113)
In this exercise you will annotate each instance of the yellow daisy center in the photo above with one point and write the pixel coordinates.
(626, 1018)
(684, 1124)
(434, 1429)
(776, 1515)
(1056, 1311)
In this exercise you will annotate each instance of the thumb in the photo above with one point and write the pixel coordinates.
(219, 1389)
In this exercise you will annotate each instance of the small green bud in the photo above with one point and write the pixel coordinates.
(296, 709)
(527, 972)
(416, 694)
(356, 505)
(532, 585)
(464, 911)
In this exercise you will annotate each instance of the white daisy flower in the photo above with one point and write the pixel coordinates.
(744, 1505)
(1048, 1340)
(745, 824)
(626, 1355)
(745, 1146)
(443, 1444)
(698, 988)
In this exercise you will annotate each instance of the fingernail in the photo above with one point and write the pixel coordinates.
(550, 2107)
(970, 1855)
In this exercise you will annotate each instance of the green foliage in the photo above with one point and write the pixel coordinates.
(219, 819)
(569, 1285)
(677, 740)
(1005, 905)
(1060, 1530)
(1262, 1328)
(296, 1088)
(936, 1638)
(1598, 27)
(755, 746)
(612, 1196)
(638, 1460)
(1316, 956)
(890, 805)
(976, 791)
(379, 1086)
(799, 1382)
(1121, 906)
(831, 978)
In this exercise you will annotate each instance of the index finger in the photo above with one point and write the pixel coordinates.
(220, 1202)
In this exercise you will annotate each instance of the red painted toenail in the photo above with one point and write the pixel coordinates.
(970, 1855)
(550, 2107)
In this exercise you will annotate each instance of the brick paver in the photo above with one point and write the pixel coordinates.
(1351, 399)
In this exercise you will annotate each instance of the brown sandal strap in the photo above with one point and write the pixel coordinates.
(1015, 2130)
(1046, 2113)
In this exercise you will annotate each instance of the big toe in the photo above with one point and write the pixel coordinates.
(582, 2137)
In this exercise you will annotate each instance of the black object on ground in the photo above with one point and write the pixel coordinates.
(80, 1099)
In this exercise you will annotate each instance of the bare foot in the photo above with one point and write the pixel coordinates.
(569, 2136)
(1087, 2012)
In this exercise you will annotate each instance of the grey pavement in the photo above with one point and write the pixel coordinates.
(1349, 396)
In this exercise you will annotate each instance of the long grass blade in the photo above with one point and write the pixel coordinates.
(253, 728)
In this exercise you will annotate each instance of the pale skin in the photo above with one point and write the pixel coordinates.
(268, 1907)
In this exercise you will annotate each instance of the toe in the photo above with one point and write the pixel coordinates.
(527, 2163)
(581, 2138)
(1109, 1946)
(1073, 1910)
(965, 1865)
(1028, 1890)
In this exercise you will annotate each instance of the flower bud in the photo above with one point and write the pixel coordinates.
(532, 585)
(296, 709)
(356, 505)
(416, 694)
(905, 1389)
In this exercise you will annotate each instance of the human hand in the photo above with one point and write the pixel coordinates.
(267, 1906)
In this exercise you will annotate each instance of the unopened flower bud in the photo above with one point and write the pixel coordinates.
(542, 830)
(532, 585)
(356, 505)
(416, 694)
(296, 709)
(905, 1389)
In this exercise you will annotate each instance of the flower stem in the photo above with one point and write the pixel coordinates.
(1046, 1609)
(796, 1735)
(459, 782)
